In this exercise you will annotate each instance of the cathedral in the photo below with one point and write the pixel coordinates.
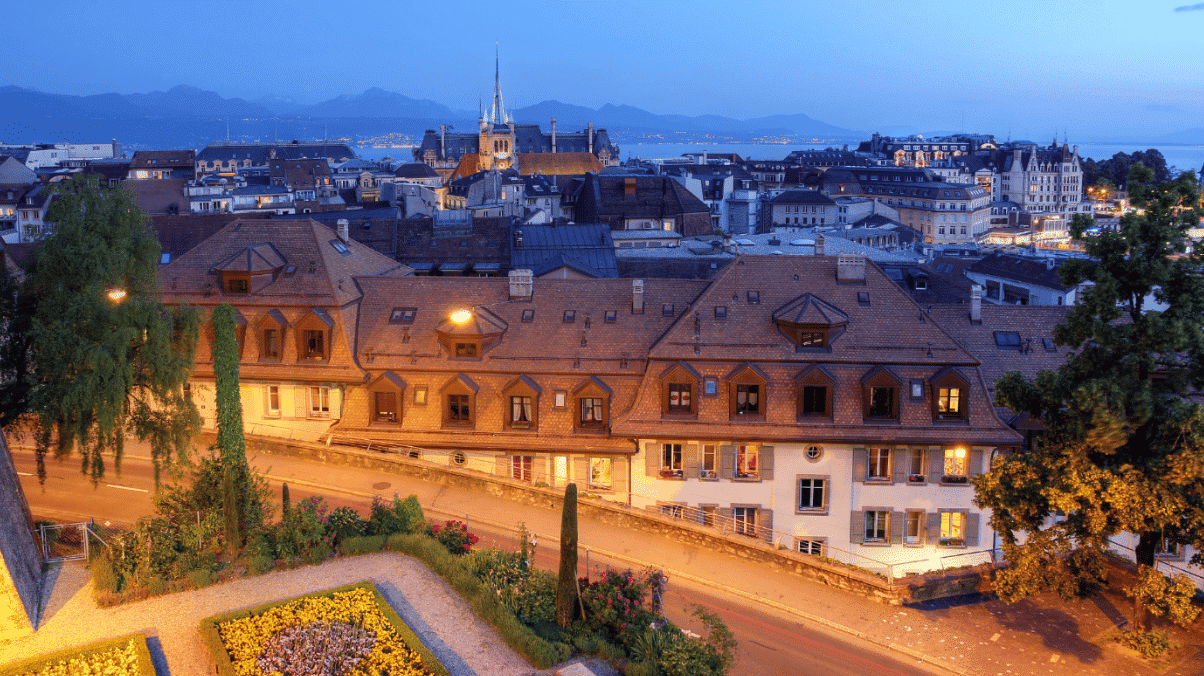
(499, 143)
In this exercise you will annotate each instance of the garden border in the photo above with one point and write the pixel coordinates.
(146, 666)
(221, 658)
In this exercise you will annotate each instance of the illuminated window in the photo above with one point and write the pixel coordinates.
(520, 412)
(953, 529)
(957, 462)
(747, 465)
(948, 402)
(679, 398)
(601, 471)
(319, 402)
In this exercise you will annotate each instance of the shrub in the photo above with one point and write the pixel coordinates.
(409, 515)
(258, 565)
(1151, 644)
(383, 519)
(615, 605)
(346, 523)
(454, 536)
(363, 545)
(200, 577)
(307, 533)
(156, 585)
(642, 669)
(104, 577)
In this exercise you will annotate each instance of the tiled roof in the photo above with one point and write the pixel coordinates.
(1018, 269)
(558, 163)
(586, 247)
(157, 196)
(179, 234)
(803, 197)
(884, 328)
(415, 170)
(161, 159)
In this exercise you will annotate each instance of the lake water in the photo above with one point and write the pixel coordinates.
(1182, 157)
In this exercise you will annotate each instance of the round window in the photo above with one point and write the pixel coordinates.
(815, 453)
(459, 458)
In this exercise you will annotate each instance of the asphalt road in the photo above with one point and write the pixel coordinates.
(770, 642)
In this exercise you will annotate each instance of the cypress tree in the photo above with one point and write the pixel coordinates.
(230, 442)
(566, 586)
(284, 502)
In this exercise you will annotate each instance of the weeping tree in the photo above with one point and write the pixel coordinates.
(98, 355)
(231, 445)
(1123, 448)
(566, 585)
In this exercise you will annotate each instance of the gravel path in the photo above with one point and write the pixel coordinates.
(465, 644)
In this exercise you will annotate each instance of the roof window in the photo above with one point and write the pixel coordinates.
(610, 316)
(570, 316)
(1007, 339)
(403, 315)
(340, 247)
(528, 315)
(720, 312)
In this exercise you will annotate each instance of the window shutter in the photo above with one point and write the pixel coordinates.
(301, 400)
(860, 469)
(580, 471)
(900, 459)
(727, 461)
(857, 527)
(765, 523)
(618, 473)
(336, 402)
(725, 520)
(766, 460)
(652, 461)
(934, 528)
(690, 461)
(976, 458)
(936, 465)
(972, 529)
(897, 521)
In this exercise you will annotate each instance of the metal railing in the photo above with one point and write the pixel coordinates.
(1161, 565)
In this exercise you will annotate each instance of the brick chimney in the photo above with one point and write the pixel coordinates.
(343, 229)
(637, 296)
(819, 245)
(850, 269)
(976, 304)
(521, 284)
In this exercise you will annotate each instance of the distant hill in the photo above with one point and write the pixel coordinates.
(188, 117)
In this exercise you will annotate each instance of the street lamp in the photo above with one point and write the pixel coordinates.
(116, 294)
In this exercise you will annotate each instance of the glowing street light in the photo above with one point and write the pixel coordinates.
(116, 294)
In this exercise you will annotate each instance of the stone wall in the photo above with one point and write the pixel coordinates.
(870, 585)
(21, 576)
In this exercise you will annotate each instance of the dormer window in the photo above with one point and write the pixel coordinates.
(811, 323)
(880, 394)
(679, 387)
(814, 390)
(466, 350)
(521, 396)
(949, 390)
(238, 285)
(314, 333)
(746, 392)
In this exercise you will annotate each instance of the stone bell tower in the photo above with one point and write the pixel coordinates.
(496, 147)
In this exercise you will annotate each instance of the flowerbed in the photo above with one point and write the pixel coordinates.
(349, 631)
(124, 656)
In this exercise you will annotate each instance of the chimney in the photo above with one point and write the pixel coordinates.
(343, 230)
(591, 138)
(521, 284)
(819, 245)
(976, 304)
(553, 134)
(637, 296)
(850, 269)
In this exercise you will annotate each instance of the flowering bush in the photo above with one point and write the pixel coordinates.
(306, 532)
(345, 624)
(454, 536)
(529, 594)
(345, 522)
(615, 604)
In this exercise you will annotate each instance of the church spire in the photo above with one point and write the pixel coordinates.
(498, 114)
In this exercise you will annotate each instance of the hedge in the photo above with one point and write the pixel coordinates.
(221, 659)
(145, 665)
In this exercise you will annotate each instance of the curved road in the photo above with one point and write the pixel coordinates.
(771, 643)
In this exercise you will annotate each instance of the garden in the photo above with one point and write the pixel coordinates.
(184, 545)
(123, 656)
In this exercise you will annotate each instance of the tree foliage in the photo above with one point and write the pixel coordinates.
(91, 369)
(1115, 169)
(567, 598)
(230, 441)
(1122, 450)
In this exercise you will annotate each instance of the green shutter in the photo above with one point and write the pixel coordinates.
(766, 460)
(934, 528)
(652, 461)
(690, 461)
(897, 521)
(936, 465)
(976, 458)
(727, 461)
(860, 468)
(857, 527)
(972, 529)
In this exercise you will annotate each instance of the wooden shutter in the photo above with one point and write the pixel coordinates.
(727, 461)
(766, 460)
(857, 527)
(976, 458)
(936, 465)
(860, 469)
(618, 473)
(301, 400)
(725, 521)
(897, 521)
(900, 460)
(934, 528)
(336, 402)
(580, 474)
(765, 524)
(690, 461)
(972, 529)
(652, 461)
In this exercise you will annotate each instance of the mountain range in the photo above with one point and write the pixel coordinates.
(186, 116)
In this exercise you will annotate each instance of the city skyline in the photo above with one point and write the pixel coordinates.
(1110, 70)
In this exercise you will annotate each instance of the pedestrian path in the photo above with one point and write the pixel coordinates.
(462, 642)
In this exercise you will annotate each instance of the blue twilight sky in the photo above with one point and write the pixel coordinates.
(1028, 69)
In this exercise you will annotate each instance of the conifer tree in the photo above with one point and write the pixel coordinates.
(566, 586)
(230, 441)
